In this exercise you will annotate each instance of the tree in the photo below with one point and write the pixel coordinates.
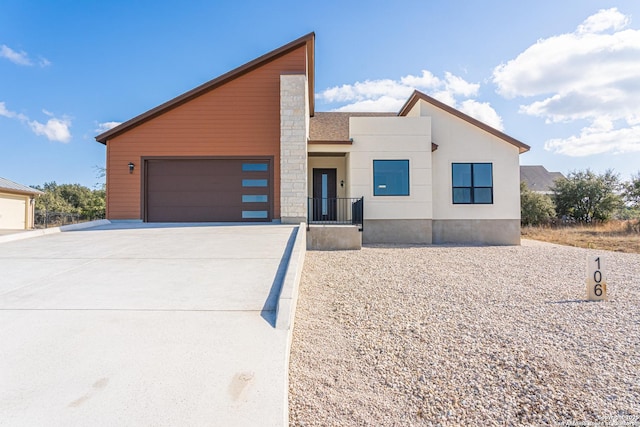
(535, 208)
(586, 196)
(52, 200)
(71, 198)
(632, 191)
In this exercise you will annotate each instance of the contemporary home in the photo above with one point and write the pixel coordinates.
(17, 203)
(249, 146)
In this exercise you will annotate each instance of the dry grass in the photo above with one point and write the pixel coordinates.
(619, 236)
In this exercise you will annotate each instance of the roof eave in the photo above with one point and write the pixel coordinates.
(21, 192)
(417, 95)
(307, 40)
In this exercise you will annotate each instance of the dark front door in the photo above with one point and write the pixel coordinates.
(324, 195)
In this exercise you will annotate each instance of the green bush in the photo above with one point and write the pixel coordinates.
(71, 198)
(535, 208)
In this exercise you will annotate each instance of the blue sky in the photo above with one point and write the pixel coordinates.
(561, 76)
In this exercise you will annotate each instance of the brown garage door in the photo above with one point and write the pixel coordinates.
(204, 190)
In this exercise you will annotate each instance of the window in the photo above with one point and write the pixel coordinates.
(254, 214)
(255, 167)
(391, 177)
(254, 182)
(255, 198)
(472, 183)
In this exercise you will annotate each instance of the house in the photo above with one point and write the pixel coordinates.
(538, 178)
(17, 203)
(249, 146)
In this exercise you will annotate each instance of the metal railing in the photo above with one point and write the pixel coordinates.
(338, 210)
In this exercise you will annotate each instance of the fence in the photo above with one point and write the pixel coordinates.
(46, 219)
(336, 211)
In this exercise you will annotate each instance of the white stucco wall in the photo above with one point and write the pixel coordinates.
(461, 142)
(391, 138)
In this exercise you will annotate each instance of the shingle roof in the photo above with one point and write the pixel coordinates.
(14, 187)
(538, 178)
(334, 127)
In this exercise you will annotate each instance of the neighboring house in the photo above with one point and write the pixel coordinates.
(249, 146)
(17, 203)
(538, 178)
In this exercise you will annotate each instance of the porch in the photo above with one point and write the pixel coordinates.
(335, 223)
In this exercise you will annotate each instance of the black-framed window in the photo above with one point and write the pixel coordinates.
(391, 177)
(472, 183)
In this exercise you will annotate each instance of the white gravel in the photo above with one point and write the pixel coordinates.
(449, 335)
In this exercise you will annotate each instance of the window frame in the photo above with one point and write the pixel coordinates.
(408, 176)
(472, 187)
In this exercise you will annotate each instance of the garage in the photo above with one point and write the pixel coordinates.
(13, 211)
(208, 190)
(16, 205)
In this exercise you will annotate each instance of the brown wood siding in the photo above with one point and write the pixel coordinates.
(240, 118)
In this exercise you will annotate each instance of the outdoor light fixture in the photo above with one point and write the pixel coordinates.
(131, 166)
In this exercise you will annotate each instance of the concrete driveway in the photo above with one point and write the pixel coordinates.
(138, 324)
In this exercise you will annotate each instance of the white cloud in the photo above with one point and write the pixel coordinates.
(55, 129)
(597, 141)
(43, 62)
(391, 95)
(458, 86)
(11, 114)
(21, 58)
(425, 81)
(369, 89)
(381, 104)
(483, 112)
(588, 74)
(103, 127)
(604, 20)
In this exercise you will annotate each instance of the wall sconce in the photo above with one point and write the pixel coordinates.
(131, 167)
(342, 183)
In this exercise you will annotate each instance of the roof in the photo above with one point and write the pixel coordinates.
(334, 127)
(307, 40)
(417, 96)
(13, 187)
(538, 178)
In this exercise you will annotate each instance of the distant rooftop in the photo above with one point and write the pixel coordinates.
(13, 187)
(538, 178)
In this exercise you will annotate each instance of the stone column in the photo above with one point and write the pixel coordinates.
(294, 130)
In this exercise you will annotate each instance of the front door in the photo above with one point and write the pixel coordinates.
(324, 195)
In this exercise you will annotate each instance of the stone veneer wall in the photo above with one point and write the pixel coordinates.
(294, 130)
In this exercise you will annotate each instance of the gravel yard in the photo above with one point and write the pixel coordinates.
(452, 335)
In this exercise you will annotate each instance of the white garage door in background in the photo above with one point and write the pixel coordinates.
(13, 211)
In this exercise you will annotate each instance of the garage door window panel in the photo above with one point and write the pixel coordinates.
(255, 182)
(255, 167)
(255, 198)
(255, 214)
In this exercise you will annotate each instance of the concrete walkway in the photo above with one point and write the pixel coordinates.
(144, 325)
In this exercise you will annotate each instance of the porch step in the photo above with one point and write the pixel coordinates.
(333, 237)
